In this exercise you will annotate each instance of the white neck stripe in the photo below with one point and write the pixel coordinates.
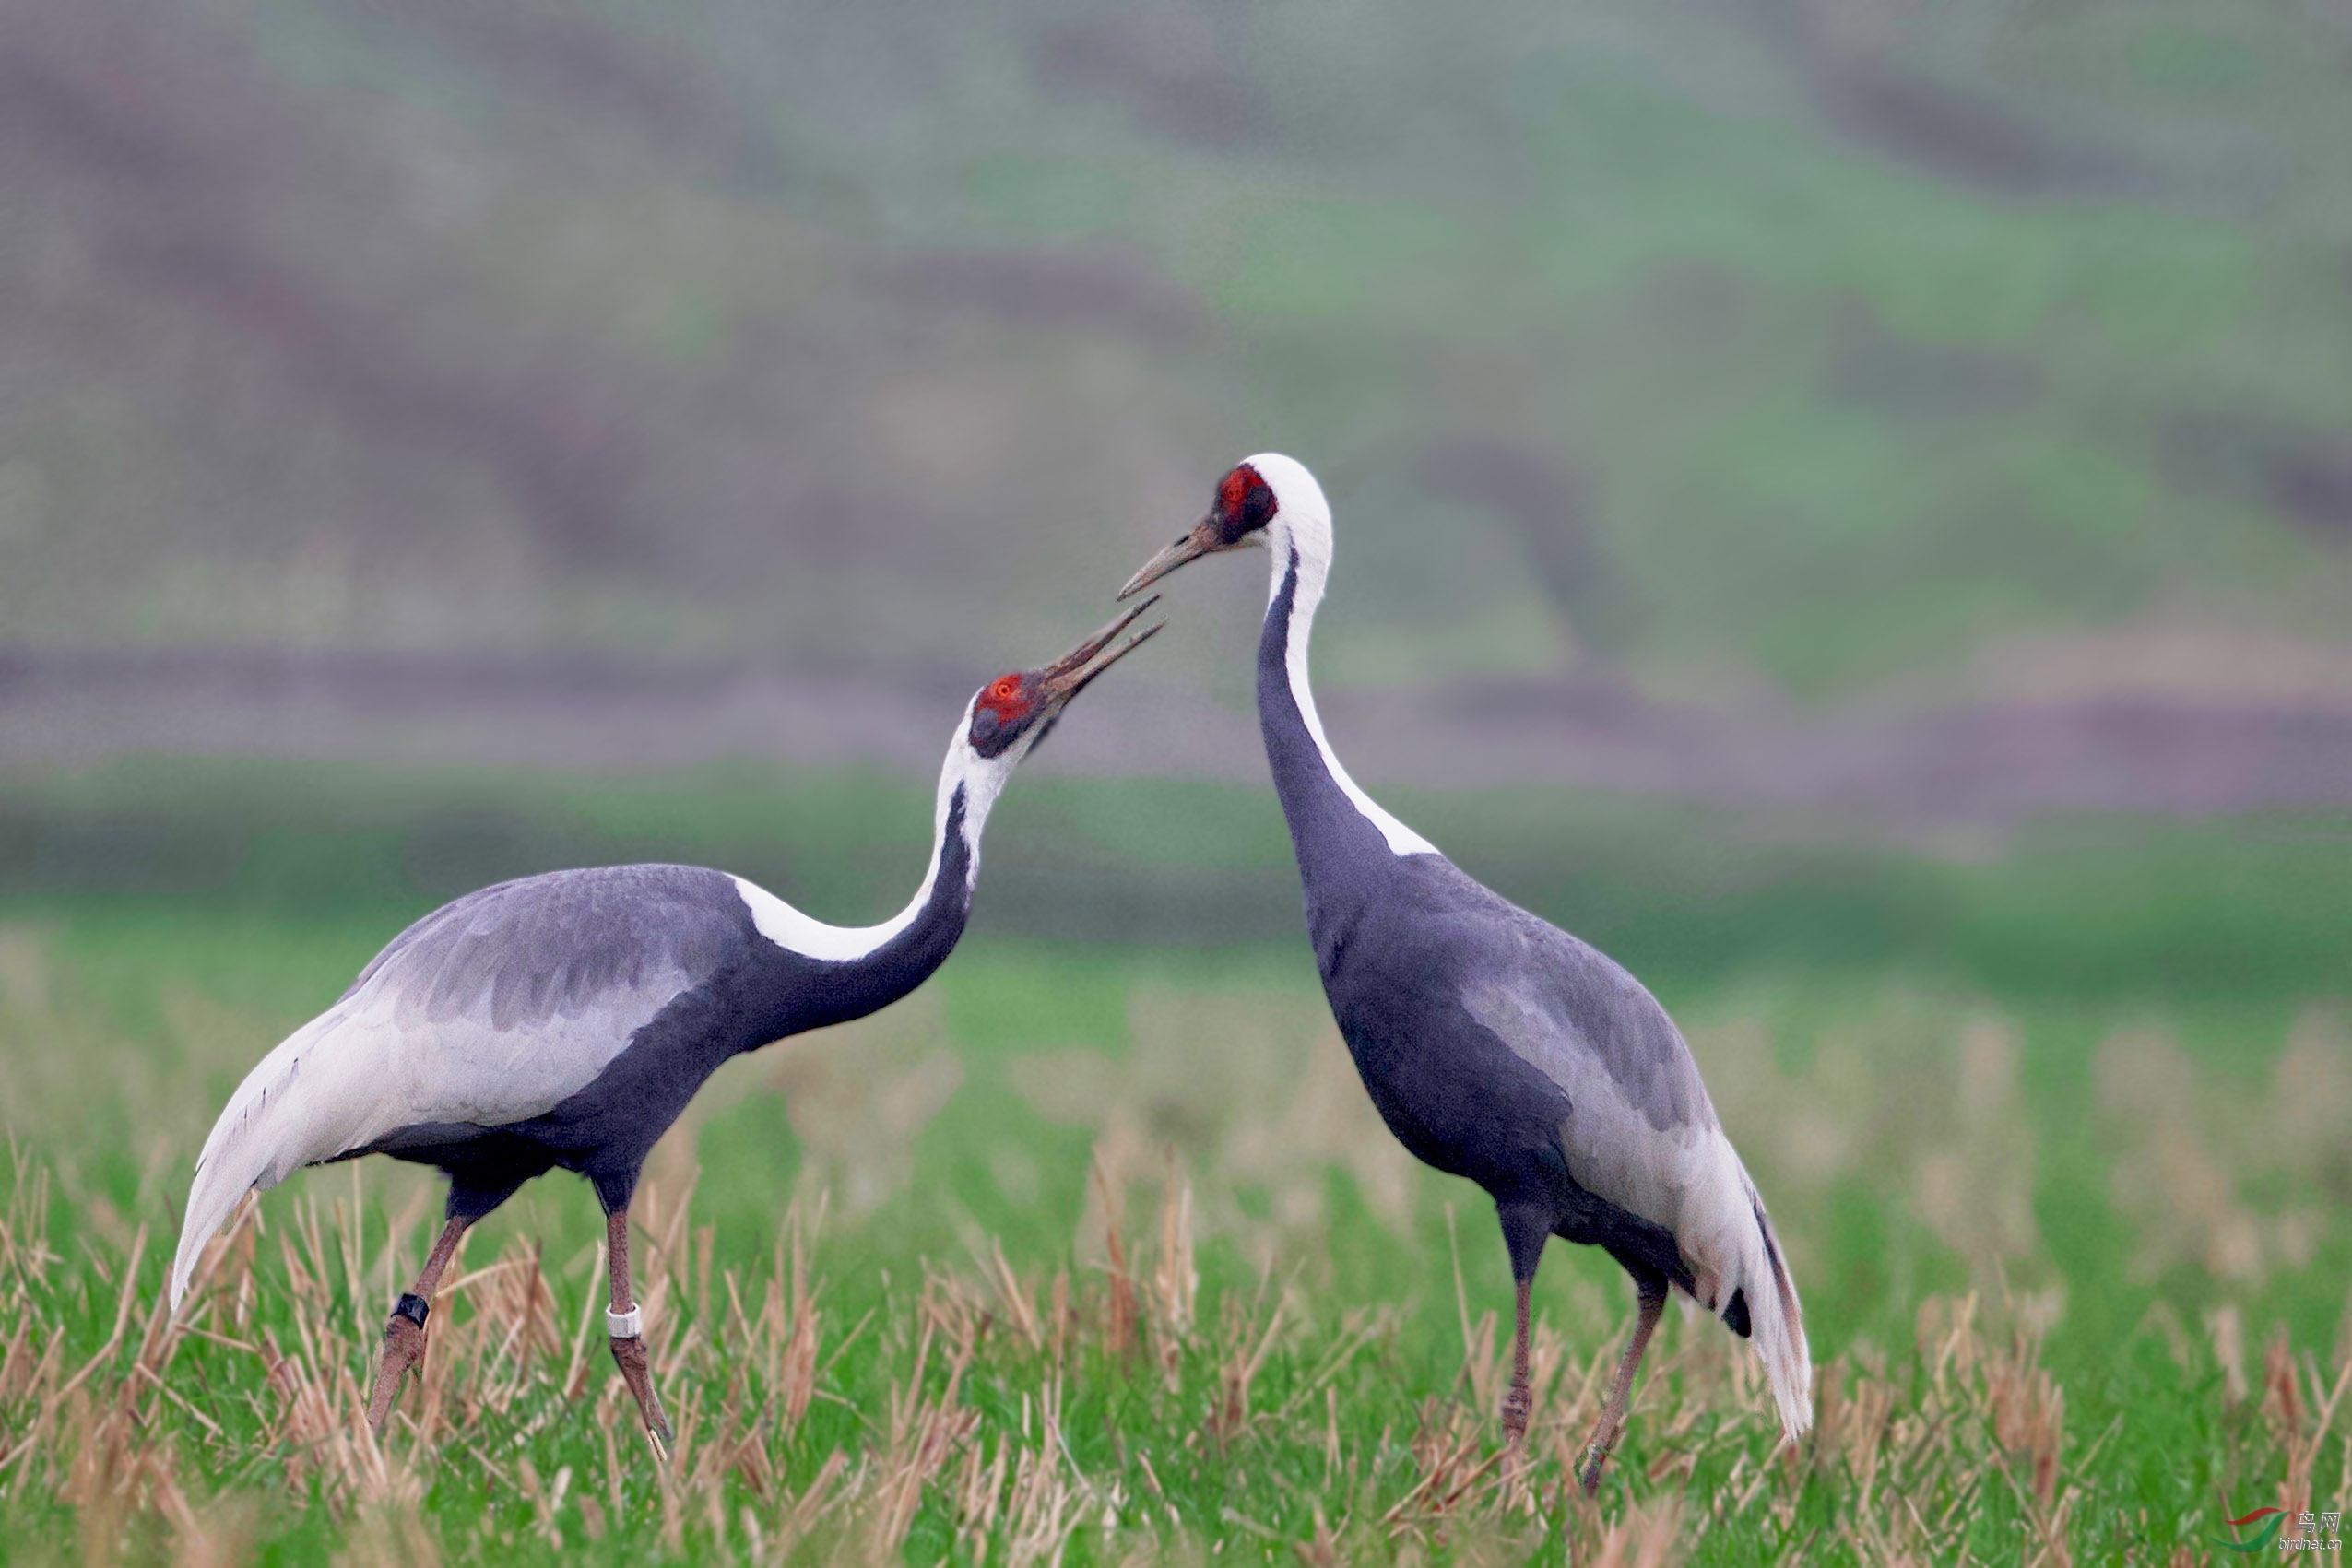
(1314, 567)
(980, 778)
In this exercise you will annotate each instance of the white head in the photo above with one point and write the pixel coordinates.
(1272, 500)
(1268, 500)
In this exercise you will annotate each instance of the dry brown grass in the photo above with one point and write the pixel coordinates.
(264, 1381)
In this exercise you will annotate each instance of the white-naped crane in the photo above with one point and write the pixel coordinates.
(565, 1020)
(1495, 1045)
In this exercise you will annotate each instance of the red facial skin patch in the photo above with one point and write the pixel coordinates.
(1233, 490)
(1004, 698)
(1245, 501)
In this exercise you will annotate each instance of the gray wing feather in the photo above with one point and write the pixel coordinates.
(524, 952)
(508, 1000)
(1571, 1010)
(1638, 1113)
(1600, 1011)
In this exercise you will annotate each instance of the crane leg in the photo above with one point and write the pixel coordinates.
(628, 1336)
(404, 1335)
(1519, 1402)
(1525, 1228)
(1653, 1288)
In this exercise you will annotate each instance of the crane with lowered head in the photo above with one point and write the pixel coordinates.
(567, 1019)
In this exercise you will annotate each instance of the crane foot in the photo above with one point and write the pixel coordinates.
(1596, 1457)
(636, 1370)
(404, 1347)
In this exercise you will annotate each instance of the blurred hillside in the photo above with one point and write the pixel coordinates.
(1840, 400)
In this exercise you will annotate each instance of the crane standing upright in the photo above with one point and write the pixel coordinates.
(1495, 1045)
(565, 1020)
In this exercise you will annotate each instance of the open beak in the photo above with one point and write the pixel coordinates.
(1074, 671)
(1202, 540)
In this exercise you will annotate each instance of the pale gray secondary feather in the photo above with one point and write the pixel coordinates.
(1638, 1113)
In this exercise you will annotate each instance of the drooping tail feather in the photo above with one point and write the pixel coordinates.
(1777, 1324)
(271, 1127)
(211, 1200)
(1740, 1275)
(231, 1166)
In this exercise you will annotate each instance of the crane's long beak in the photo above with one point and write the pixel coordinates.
(1204, 539)
(1074, 671)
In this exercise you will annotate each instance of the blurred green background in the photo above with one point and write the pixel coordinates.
(1724, 355)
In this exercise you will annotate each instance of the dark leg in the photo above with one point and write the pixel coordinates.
(404, 1336)
(629, 1336)
(1519, 1402)
(1524, 1230)
(1653, 1288)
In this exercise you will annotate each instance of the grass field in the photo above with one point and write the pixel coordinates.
(1094, 1252)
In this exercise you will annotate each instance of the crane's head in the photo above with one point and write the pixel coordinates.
(1010, 714)
(1268, 500)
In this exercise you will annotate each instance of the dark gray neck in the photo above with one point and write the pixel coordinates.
(1343, 856)
(909, 958)
(794, 987)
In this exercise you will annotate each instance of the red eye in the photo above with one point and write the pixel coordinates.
(1006, 688)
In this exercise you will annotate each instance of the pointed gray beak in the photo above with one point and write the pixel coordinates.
(1204, 539)
(1076, 671)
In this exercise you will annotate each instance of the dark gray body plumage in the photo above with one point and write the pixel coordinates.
(1411, 947)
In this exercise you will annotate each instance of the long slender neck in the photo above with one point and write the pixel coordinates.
(918, 939)
(1340, 833)
(868, 967)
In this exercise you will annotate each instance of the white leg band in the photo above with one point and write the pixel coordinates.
(627, 1325)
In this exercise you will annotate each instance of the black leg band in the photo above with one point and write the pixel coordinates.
(416, 1309)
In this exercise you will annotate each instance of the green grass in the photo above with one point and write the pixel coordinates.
(2065, 1202)
(2097, 906)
